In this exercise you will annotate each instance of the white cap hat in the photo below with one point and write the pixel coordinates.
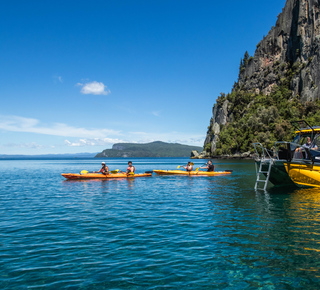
(103, 163)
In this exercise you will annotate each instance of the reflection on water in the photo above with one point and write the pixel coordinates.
(148, 233)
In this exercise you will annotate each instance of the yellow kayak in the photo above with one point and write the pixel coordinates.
(182, 172)
(102, 176)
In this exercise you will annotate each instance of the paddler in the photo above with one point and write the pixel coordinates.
(189, 166)
(209, 166)
(104, 169)
(130, 168)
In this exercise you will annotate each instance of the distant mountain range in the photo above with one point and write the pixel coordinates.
(48, 156)
(153, 149)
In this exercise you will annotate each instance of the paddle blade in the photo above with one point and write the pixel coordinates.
(115, 171)
(197, 169)
(131, 173)
(178, 166)
(84, 172)
(191, 163)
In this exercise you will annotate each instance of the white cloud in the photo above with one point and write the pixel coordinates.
(94, 88)
(30, 125)
(155, 113)
(32, 145)
(58, 78)
(93, 142)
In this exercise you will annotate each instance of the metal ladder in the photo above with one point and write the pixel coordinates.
(259, 172)
(263, 161)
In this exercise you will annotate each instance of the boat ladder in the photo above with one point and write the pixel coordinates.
(262, 175)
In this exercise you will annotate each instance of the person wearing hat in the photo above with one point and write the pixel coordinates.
(104, 169)
(189, 166)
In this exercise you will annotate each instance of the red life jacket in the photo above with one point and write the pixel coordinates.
(131, 170)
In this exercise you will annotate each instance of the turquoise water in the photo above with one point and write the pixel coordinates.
(155, 232)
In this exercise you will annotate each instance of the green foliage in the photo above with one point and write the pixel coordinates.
(261, 118)
(207, 148)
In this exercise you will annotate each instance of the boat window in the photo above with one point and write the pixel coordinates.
(316, 142)
(303, 140)
(296, 139)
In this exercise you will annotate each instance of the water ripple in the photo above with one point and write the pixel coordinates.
(153, 233)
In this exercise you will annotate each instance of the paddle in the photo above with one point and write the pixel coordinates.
(130, 173)
(149, 171)
(197, 169)
(191, 163)
(85, 172)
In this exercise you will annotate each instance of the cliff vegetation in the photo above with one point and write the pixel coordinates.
(277, 85)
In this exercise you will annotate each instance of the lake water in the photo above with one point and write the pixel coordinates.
(155, 232)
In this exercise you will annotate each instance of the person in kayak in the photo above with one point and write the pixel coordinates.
(209, 166)
(130, 168)
(104, 169)
(189, 166)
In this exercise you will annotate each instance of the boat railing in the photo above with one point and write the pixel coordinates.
(293, 151)
(262, 152)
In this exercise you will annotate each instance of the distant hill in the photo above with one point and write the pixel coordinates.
(153, 149)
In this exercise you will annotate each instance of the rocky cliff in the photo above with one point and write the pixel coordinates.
(287, 58)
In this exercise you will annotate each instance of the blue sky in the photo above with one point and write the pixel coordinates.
(79, 76)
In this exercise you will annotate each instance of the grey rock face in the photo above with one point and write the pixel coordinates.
(220, 117)
(292, 44)
(294, 39)
(194, 154)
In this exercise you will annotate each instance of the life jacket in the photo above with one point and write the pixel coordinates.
(210, 168)
(131, 170)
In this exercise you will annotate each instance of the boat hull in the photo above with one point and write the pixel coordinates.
(102, 176)
(192, 173)
(304, 174)
(299, 173)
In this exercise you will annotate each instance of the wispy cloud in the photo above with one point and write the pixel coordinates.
(32, 145)
(58, 79)
(155, 113)
(94, 88)
(30, 125)
(93, 142)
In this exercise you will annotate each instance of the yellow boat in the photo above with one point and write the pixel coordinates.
(292, 163)
(199, 173)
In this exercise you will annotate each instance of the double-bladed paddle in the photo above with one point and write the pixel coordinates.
(191, 163)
